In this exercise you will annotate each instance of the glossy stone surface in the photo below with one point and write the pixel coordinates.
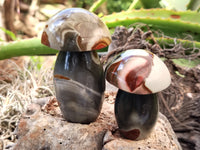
(138, 71)
(75, 29)
(136, 115)
(79, 84)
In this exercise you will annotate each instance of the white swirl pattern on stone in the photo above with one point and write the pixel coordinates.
(75, 29)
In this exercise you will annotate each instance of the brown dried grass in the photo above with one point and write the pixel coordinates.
(27, 84)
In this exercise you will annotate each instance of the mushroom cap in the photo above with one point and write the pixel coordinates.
(75, 29)
(138, 71)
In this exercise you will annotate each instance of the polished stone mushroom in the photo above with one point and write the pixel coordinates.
(78, 74)
(75, 29)
(138, 71)
(139, 75)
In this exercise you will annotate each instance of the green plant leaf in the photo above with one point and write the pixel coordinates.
(9, 33)
(150, 4)
(172, 23)
(28, 47)
(186, 63)
(37, 61)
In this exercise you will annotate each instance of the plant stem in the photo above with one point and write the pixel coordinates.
(96, 5)
(24, 47)
(134, 5)
(193, 5)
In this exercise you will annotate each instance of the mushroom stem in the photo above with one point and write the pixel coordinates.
(79, 85)
(136, 114)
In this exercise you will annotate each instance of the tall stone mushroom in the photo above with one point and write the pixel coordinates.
(78, 75)
(139, 75)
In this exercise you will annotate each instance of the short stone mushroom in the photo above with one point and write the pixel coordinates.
(139, 75)
(78, 74)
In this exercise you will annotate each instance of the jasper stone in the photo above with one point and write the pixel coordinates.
(79, 85)
(138, 71)
(136, 115)
(75, 29)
